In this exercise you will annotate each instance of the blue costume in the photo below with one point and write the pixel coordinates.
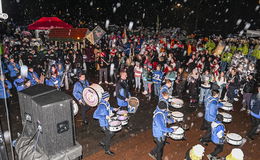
(157, 80)
(7, 92)
(78, 89)
(217, 132)
(163, 89)
(103, 110)
(122, 92)
(19, 84)
(255, 115)
(211, 108)
(160, 121)
(77, 93)
(13, 69)
(54, 82)
(31, 76)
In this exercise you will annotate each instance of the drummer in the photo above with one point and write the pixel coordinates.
(165, 88)
(217, 136)
(77, 93)
(211, 108)
(160, 121)
(103, 113)
(122, 91)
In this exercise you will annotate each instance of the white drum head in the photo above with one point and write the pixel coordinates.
(75, 108)
(177, 114)
(114, 123)
(226, 115)
(177, 130)
(234, 136)
(133, 102)
(227, 104)
(92, 95)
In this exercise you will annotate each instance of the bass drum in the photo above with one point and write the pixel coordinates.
(92, 95)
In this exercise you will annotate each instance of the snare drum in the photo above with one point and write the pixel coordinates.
(178, 116)
(177, 103)
(227, 106)
(133, 104)
(234, 139)
(122, 113)
(123, 120)
(227, 118)
(115, 126)
(177, 134)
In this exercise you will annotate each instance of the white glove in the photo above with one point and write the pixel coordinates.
(107, 117)
(170, 100)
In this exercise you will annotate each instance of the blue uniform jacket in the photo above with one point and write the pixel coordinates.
(54, 82)
(255, 107)
(157, 77)
(160, 120)
(78, 89)
(101, 112)
(9, 86)
(11, 67)
(30, 76)
(19, 84)
(211, 108)
(122, 92)
(218, 129)
(163, 89)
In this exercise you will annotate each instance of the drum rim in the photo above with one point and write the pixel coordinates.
(177, 116)
(136, 99)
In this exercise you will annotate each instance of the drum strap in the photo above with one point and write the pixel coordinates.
(164, 118)
(107, 107)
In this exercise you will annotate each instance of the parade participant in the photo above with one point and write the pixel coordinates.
(7, 86)
(13, 68)
(211, 108)
(181, 82)
(248, 91)
(171, 75)
(103, 63)
(54, 81)
(103, 113)
(205, 86)
(236, 154)
(159, 128)
(19, 83)
(33, 76)
(122, 91)
(193, 86)
(165, 88)
(157, 80)
(77, 93)
(217, 136)
(232, 86)
(137, 74)
(255, 114)
(195, 153)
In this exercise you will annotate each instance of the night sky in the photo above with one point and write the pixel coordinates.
(213, 16)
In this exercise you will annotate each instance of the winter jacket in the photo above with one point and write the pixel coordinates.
(122, 92)
(78, 89)
(171, 76)
(31, 76)
(159, 123)
(7, 92)
(13, 69)
(255, 106)
(19, 84)
(249, 86)
(211, 108)
(145, 75)
(103, 110)
(217, 132)
(164, 88)
(54, 82)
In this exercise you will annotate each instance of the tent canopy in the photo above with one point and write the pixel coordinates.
(46, 23)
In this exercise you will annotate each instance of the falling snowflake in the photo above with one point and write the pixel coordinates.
(200, 114)
(247, 26)
(118, 5)
(184, 1)
(226, 10)
(241, 33)
(239, 21)
(130, 26)
(257, 7)
(143, 15)
(114, 9)
(226, 20)
(107, 23)
(91, 3)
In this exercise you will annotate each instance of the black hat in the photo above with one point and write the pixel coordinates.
(219, 117)
(162, 105)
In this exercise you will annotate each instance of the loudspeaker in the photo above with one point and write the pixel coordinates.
(53, 115)
(26, 108)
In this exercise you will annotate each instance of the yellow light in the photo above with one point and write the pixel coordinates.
(78, 37)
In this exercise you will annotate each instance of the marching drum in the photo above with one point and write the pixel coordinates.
(122, 113)
(177, 134)
(234, 139)
(92, 95)
(115, 126)
(227, 106)
(133, 104)
(123, 120)
(178, 116)
(177, 103)
(227, 118)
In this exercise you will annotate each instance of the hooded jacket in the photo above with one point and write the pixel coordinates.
(255, 106)
(211, 108)
(217, 132)
(101, 112)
